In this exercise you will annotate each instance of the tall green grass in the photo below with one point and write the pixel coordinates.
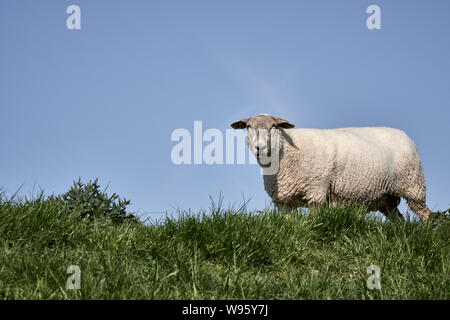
(220, 254)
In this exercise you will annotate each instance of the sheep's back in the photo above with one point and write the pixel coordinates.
(361, 163)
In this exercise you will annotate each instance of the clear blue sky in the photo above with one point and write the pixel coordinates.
(103, 101)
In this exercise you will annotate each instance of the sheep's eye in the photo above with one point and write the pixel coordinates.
(249, 126)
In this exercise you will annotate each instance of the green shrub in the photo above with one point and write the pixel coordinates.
(87, 200)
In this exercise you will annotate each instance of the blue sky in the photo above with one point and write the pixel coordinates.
(103, 101)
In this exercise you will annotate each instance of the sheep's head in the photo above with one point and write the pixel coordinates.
(262, 135)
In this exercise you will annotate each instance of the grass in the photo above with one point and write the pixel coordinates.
(224, 254)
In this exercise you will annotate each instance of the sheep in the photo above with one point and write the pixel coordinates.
(370, 166)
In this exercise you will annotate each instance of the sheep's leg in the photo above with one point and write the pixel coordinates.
(415, 195)
(389, 208)
(420, 208)
(394, 214)
(317, 197)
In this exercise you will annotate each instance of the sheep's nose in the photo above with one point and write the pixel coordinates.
(257, 151)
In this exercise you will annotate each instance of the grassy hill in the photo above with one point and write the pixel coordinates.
(221, 254)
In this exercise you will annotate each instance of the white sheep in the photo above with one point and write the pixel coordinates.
(371, 166)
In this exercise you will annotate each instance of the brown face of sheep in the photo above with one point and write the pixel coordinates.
(261, 131)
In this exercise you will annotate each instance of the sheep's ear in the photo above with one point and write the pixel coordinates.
(284, 124)
(241, 124)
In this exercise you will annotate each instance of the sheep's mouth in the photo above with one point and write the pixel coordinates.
(264, 156)
(264, 161)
